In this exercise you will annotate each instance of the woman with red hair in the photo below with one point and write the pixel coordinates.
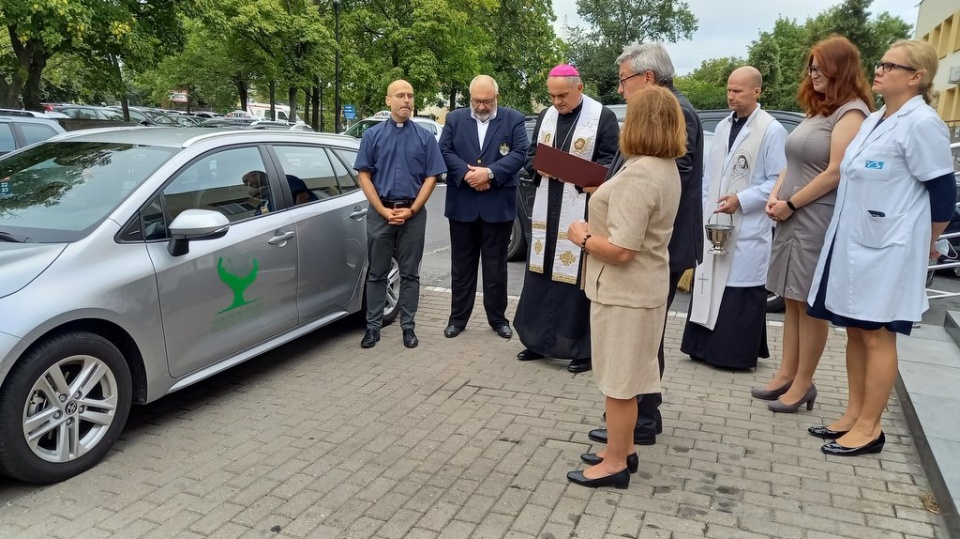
(836, 97)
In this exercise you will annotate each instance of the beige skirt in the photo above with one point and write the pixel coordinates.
(625, 342)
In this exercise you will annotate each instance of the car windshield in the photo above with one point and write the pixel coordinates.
(60, 191)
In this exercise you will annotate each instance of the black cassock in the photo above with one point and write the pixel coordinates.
(553, 318)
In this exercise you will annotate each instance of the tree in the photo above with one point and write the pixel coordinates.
(42, 29)
(430, 43)
(615, 23)
(765, 56)
(523, 48)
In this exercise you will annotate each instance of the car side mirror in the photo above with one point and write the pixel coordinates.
(192, 225)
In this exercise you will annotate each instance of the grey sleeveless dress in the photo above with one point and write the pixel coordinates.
(798, 240)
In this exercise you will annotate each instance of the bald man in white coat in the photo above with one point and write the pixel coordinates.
(726, 326)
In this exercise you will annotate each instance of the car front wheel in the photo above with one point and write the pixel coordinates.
(62, 407)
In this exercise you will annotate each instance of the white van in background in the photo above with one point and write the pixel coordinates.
(262, 112)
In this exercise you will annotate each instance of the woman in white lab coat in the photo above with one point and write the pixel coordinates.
(896, 195)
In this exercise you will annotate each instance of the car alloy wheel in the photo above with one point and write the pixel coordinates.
(70, 409)
(62, 407)
(392, 307)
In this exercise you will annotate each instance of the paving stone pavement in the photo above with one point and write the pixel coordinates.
(458, 439)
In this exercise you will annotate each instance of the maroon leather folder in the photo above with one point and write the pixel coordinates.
(568, 167)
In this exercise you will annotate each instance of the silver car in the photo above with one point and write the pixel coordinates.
(137, 261)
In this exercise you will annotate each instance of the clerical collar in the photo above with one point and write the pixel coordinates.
(576, 110)
(399, 125)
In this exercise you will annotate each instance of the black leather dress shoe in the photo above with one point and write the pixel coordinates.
(821, 431)
(452, 331)
(504, 331)
(370, 338)
(580, 365)
(528, 355)
(633, 461)
(639, 438)
(410, 338)
(876, 446)
(620, 479)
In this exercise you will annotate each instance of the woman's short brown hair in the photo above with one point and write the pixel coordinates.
(654, 126)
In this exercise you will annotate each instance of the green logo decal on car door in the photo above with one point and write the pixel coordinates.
(237, 283)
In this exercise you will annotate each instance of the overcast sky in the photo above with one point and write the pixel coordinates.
(728, 27)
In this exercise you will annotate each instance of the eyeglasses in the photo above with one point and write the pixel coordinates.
(402, 95)
(485, 102)
(814, 71)
(623, 81)
(890, 66)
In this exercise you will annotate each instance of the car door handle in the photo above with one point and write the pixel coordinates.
(357, 214)
(281, 238)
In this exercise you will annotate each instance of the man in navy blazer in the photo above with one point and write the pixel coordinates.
(484, 147)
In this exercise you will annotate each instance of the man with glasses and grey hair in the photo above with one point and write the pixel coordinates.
(484, 148)
(641, 66)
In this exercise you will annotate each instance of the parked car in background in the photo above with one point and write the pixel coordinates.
(147, 116)
(23, 128)
(207, 114)
(788, 119)
(135, 262)
(87, 112)
(356, 130)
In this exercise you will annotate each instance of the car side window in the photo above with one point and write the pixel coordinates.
(348, 157)
(309, 173)
(347, 183)
(7, 144)
(233, 182)
(36, 133)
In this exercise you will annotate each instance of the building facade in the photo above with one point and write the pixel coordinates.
(938, 23)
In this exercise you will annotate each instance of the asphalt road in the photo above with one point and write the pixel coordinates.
(435, 270)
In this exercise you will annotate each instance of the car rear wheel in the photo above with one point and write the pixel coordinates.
(775, 303)
(62, 407)
(517, 248)
(392, 308)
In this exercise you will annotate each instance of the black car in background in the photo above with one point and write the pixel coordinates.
(520, 236)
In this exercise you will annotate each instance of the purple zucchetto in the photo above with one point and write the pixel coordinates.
(564, 70)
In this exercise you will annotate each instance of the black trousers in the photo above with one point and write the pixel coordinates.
(473, 243)
(648, 404)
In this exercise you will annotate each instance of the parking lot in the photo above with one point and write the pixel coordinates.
(458, 439)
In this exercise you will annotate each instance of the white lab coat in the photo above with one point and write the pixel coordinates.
(880, 231)
(751, 253)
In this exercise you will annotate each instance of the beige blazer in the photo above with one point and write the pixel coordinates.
(635, 210)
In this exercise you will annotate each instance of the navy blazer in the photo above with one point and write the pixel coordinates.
(504, 151)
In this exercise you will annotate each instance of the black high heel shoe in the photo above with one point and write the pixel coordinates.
(821, 431)
(876, 446)
(633, 461)
(619, 480)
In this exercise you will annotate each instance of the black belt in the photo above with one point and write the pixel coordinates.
(396, 204)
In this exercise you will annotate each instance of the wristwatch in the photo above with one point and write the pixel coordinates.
(489, 174)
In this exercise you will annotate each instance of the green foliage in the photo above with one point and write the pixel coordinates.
(781, 54)
(104, 34)
(615, 23)
(703, 95)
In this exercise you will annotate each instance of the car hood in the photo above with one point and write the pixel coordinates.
(21, 263)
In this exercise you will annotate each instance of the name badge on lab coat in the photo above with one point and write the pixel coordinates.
(873, 165)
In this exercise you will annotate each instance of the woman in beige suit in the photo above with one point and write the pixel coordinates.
(627, 273)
